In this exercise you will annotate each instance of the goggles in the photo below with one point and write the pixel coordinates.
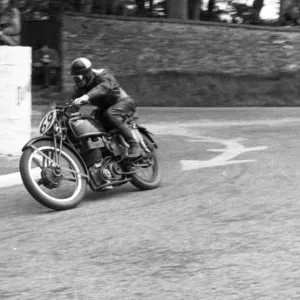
(78, 78)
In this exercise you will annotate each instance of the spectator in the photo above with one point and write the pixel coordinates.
(10, 24)
(296, 15)
(291, 17)
(46, 63)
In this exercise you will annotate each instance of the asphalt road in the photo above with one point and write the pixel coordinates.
(225, 228)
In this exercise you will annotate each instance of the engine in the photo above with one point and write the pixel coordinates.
(103, 168)
(106, 171)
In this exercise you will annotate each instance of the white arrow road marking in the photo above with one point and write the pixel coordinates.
(232, 150)
(188, 165)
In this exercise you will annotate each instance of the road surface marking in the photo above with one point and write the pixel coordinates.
(232, 149)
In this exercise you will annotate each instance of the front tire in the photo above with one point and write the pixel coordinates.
(156, 179)
(35, 189)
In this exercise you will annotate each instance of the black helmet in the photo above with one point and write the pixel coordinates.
(80, 66)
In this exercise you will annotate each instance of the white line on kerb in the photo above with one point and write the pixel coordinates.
(15, 178)
(10, 180)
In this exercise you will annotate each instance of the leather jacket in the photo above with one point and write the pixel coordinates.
(104, 90)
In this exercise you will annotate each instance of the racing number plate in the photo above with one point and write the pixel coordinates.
(47, 122)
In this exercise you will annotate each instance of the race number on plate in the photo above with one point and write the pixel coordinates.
(47, 122)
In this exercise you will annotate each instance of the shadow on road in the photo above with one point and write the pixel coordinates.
(32, 207)
(103, 196)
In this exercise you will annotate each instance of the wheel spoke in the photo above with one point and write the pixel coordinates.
(58, 182)
(55, 164)
(38, 162)
(45, 157)
(51, 156)
(67, 178)
(44, 162)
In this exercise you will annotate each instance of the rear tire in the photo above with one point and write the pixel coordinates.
(156, 179)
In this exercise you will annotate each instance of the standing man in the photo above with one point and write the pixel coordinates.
(10, 24)
(46, 63)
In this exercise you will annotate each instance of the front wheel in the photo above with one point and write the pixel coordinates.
(148, 178)
(59, 187)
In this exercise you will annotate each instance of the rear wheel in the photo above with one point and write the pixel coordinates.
(58, 187)
(150, 175)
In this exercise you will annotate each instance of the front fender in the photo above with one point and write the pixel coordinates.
(36, 139)
(48, 138)
(148, 134)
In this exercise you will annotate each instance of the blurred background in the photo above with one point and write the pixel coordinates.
(256, 12)
(171, 52)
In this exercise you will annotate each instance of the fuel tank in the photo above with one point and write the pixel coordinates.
(85, 126)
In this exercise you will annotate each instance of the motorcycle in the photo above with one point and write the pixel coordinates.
(75, 151)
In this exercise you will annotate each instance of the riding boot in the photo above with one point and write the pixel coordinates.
(134, 150)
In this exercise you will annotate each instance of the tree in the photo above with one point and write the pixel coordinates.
(212, 13)
(100, 7)
(140, 5)
(40, 9)
(86, 6)
(285, 5)
(210, 8)
(194, 9)
(177, 9)
(257, 7)
(248, 14)
(289, 12)
(151, 6)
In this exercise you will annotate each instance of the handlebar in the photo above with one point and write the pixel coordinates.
(68, 105)
(63, 107)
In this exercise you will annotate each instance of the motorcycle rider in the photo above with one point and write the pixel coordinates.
(100, 88)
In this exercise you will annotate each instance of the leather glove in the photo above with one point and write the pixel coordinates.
(81, 100)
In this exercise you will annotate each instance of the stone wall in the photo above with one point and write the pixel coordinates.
(187, 63)
(127, 46)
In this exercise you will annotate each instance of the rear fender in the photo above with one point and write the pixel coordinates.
(148, 134)
(48, 138)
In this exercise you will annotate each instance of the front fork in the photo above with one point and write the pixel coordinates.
(57, 132)
(54, 163)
